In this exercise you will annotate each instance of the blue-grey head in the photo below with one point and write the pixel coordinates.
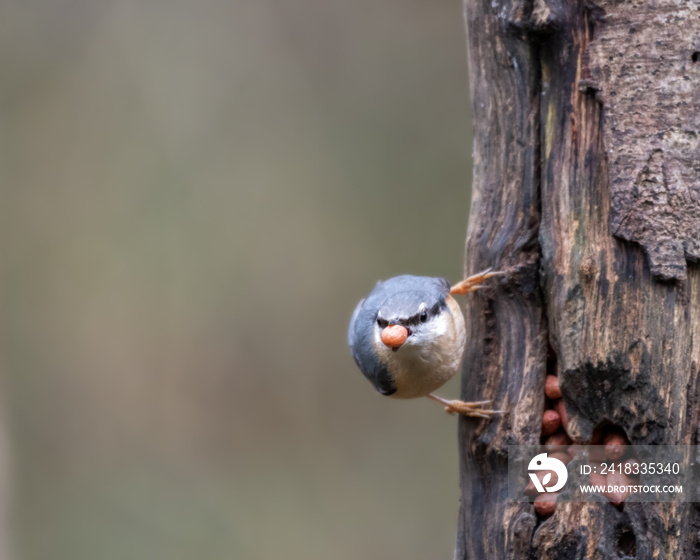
(408, 335)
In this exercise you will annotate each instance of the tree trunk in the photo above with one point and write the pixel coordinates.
(587, 193)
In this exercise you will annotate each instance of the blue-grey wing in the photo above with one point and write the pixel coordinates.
(351, 329)
(361, 349)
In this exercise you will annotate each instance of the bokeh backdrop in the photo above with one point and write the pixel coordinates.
(195, 194)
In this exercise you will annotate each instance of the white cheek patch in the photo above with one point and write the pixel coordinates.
(433, 330)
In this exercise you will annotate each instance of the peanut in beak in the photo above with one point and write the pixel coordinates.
(394, 336)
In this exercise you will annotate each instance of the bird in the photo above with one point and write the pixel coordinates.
(408, 338)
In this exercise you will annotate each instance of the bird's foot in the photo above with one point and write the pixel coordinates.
(473, 409)
(473, 282)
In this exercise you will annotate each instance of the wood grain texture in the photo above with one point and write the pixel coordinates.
(645, 66)
(506, 327)
(577, 298)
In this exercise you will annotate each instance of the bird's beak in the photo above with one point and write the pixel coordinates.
(394, 336)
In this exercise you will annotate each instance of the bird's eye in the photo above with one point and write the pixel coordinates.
(423, 316)
(382, 322)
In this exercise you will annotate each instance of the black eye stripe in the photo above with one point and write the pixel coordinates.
(429, 314)
(415, 319)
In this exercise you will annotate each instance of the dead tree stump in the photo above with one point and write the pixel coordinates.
(587, 192)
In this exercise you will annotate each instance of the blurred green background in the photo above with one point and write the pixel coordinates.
(195, 196)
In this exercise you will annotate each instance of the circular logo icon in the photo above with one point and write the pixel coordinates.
(543, 463)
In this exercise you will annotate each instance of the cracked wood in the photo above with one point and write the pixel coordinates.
(645, 66)
(626, 346)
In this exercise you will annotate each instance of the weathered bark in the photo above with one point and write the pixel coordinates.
(587, 192)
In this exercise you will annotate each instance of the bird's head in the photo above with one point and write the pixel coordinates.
(410, 318)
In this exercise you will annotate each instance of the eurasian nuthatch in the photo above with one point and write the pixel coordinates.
(408, 338)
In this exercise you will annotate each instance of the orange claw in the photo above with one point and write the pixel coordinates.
(473, 282)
